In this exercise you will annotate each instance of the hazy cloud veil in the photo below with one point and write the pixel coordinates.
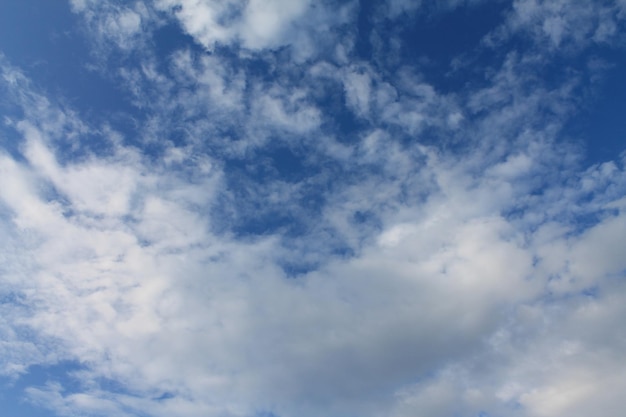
(315, 208)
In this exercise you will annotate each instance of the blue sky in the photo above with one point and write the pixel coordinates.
(294, 208)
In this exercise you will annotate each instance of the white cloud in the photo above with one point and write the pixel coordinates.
(358, 91)
(115, 25)
(162, 305)
(440, 300)
(560, 26)
(257, 24)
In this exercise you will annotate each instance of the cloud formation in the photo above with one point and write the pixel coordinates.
(292, 222)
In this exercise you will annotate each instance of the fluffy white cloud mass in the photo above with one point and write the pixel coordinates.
(285, 228)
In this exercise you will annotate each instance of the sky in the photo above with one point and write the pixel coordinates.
(298, 208)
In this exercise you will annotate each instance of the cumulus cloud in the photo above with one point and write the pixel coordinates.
(258, 24)
(316, 236)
